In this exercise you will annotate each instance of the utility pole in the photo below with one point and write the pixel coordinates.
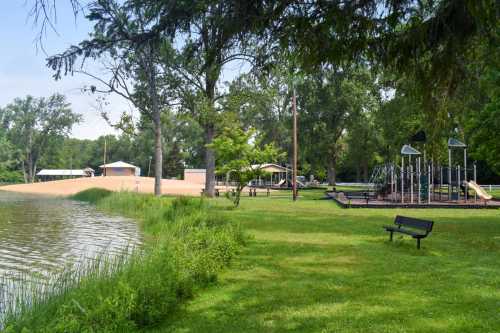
(294, 173)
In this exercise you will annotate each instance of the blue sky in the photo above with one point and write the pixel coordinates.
(23, 70)
(22, 64)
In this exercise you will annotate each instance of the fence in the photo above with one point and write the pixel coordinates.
(490, 188)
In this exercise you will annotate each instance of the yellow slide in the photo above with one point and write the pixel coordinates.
(480, 191)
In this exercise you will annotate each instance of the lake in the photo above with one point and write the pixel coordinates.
(41, 236)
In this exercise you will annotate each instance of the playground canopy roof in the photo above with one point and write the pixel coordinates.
(454, 143)
(409, 150)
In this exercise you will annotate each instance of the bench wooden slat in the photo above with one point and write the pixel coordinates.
(414, 223)
(418, 228)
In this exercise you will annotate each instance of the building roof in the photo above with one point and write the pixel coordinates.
(61, 172)
(270, 167)
(195, 170)
(118, 164)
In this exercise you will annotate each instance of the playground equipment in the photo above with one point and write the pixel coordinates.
(417, 181)
(480, 191)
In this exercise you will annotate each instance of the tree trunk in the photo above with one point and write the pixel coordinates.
(34, 172)
(332, 170)
(365, 171)
(209, 161)
(358, 174)
(30, 168)
(158, 153)
(156, 114)
(24, 172)
(209, 126)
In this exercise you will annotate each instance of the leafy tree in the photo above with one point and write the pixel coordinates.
(362, 144)
(117, 34)
(330, 102)
(8, 162)
(262, 100)
(239, 157)
(33, 123)
(211, 34)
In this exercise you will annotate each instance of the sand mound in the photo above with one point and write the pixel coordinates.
(113, 183)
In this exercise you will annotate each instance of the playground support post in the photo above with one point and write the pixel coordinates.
(432, 175)
(449, 174)
(419, 173)
(465, 164)
(402, 179)
(392, 183)
(458, 183)
(475, 181)
(429, 177)
(465, 175)
(440, 181)
(411, 183)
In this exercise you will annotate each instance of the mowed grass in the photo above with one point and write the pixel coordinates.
(495, 193)
(314, 267)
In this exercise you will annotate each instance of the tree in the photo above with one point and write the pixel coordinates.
(362, 141)
(262, 101)
(212, 34)
(239, 157)
(35, 121)
(117, 33)
(329, 103)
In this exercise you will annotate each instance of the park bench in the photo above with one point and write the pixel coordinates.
(360, 195)
(217, 192)
(416, 228)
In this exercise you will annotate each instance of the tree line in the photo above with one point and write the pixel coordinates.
(368, 75)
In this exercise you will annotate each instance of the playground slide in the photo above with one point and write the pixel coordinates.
(480, 191)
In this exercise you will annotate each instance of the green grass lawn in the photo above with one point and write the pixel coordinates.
(314, 267)
(495, 193)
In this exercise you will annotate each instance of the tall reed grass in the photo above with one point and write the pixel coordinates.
(187, 243)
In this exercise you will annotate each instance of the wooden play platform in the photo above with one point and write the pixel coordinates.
(369, 200)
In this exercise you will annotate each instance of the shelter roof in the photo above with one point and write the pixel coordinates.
(409, 150)
(118, 164)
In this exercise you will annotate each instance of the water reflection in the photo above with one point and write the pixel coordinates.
(40, 236)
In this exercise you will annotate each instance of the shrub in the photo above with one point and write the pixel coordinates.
(92, 195)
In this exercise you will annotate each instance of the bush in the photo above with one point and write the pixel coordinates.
(10, 177)
(92, 195)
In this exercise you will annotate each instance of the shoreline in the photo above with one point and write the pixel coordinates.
(133, 184)
(69, 187)
(148, 289)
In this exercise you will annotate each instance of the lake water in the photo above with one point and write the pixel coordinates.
(40, 236)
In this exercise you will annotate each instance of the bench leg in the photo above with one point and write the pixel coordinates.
(391, 237)
(418, 243)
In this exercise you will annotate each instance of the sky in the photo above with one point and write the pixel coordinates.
(23, 71)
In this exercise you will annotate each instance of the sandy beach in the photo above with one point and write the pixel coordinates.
(68, 187)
